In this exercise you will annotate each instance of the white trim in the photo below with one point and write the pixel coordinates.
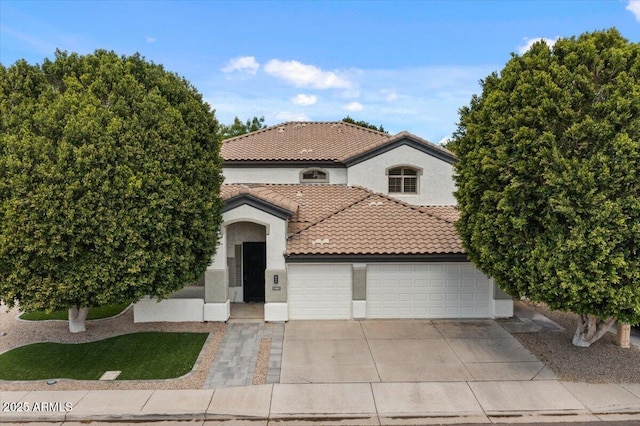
(217, 311)
(168, 310)
(359, 309)
(502, 308)
(276, 312)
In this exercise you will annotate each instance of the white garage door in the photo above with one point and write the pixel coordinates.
(319, 291)
(428, 290)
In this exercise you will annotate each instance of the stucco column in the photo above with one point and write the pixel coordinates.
(216, 286)
(276, 308)
(359, 290)
(502, 302)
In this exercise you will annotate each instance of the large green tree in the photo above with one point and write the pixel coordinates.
(109, 182)
(365, 124)
(549, 178)
(238, 127)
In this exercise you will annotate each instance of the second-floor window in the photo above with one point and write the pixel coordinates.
(314, 175)
(403, 180)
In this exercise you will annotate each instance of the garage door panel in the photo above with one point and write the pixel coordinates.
(319, 291)
(451, 290)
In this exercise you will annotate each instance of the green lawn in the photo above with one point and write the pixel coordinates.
(94, 313)
(140, 356)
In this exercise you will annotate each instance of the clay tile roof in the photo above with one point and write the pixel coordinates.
(448, 213)
(228, 192)
(340, 219)
(378, 224)
(308, 141)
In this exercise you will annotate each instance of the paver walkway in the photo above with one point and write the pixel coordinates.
(235, 361)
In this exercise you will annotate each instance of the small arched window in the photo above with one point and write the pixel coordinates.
(403, 180)
(314, 176)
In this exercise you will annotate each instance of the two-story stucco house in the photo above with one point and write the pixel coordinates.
(336, 221)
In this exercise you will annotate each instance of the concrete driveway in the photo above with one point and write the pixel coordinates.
(404, 351)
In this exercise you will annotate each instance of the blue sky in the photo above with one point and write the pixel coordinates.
(408, 65)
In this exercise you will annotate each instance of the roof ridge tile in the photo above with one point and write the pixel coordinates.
(436, 215)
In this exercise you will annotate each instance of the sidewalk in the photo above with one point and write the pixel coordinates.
(344, 404)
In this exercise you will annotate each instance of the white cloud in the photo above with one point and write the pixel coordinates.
(530, 41)
(292, 116)
(246, 64)
(353, 106)
(302, 99)
(151, 40)
(428, 98)
(303, 75)
(634, 7)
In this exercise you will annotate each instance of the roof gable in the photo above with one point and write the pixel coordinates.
(323, 143)
(261, 198)
(408, 139)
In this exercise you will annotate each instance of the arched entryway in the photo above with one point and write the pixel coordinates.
(240, 264)
(246, 261)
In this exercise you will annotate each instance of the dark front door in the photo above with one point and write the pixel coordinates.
(254, 262)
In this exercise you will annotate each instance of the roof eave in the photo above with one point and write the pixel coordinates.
(281, 163)
(265, 206)
(403, 139)
(372, 258)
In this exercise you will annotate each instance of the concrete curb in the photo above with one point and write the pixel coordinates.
(344, 404)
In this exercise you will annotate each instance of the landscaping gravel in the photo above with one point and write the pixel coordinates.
(602, 362)
(262, 363)
(20, 332)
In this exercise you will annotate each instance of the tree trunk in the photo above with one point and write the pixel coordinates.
(590, 329)
(77, 316)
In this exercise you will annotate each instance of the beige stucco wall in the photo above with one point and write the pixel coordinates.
(239, 232)
(274, 228)
(435, 185)
(245, 223)
(278, 174)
